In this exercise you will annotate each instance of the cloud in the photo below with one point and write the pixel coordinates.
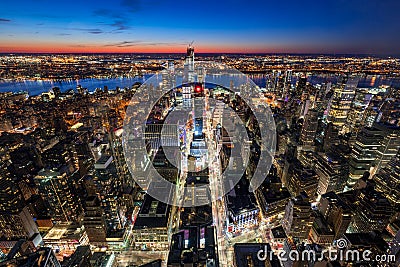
(4, 20)
(63, 34)
(142, 43)
(115, 20)
(88, 30)
(78, 45)
(120, 25)
(125, 43)
(97, 31)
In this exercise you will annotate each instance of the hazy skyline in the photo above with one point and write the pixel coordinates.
(215, 26)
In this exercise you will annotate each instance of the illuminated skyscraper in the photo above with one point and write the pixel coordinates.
(388, 180)
(309, 131)
(343, 96)
(171, 65)
(332, 170)
(355, 117)
(389, 110)
(372, 212)
(389, 145)
(108, 187)
(301, 85)
(10, 195)
(298, 217)
(370, 115)
(330, 136)
(188, 75)
(301, 179)
(167, 76)
(94, 222)
(363, 154)
(336, 212)
(17, 225)
(115, 139)
(57, 190)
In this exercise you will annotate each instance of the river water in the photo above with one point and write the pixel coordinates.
(34, 87)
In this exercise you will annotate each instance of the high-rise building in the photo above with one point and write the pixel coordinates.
(242, 210)
(11, 198)
(84, 156)
(66, 238)
(290, 246)
(94, 221)
(188, 72)
(343, 96)
(301, 179)
(321, 232)
(394, 230)
(80, 258)
(115, 139)
(57, 190)
(164, 167)
(309, 131)
(188, 245)
(245, 254)
(363, 154)
(389, 110)
(162, 135)
(25, 161)
(388, 146)
(298, 217)
(167, 81)
(150, 230)
(330, 137)
(336, 212)
(17, 225)
(332, 170)
(373, 211)
(272, 197)
(59, 156)
(301, 85)
(370, 115)
(363, 241)
(44, 257)
(354, 119)
(388, 180)
(108, 186)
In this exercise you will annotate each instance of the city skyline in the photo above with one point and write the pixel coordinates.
(199, 165)
(352, 27)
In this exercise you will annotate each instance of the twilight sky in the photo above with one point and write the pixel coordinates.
(289, 26)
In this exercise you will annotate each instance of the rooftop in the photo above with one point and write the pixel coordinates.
(278, 232)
